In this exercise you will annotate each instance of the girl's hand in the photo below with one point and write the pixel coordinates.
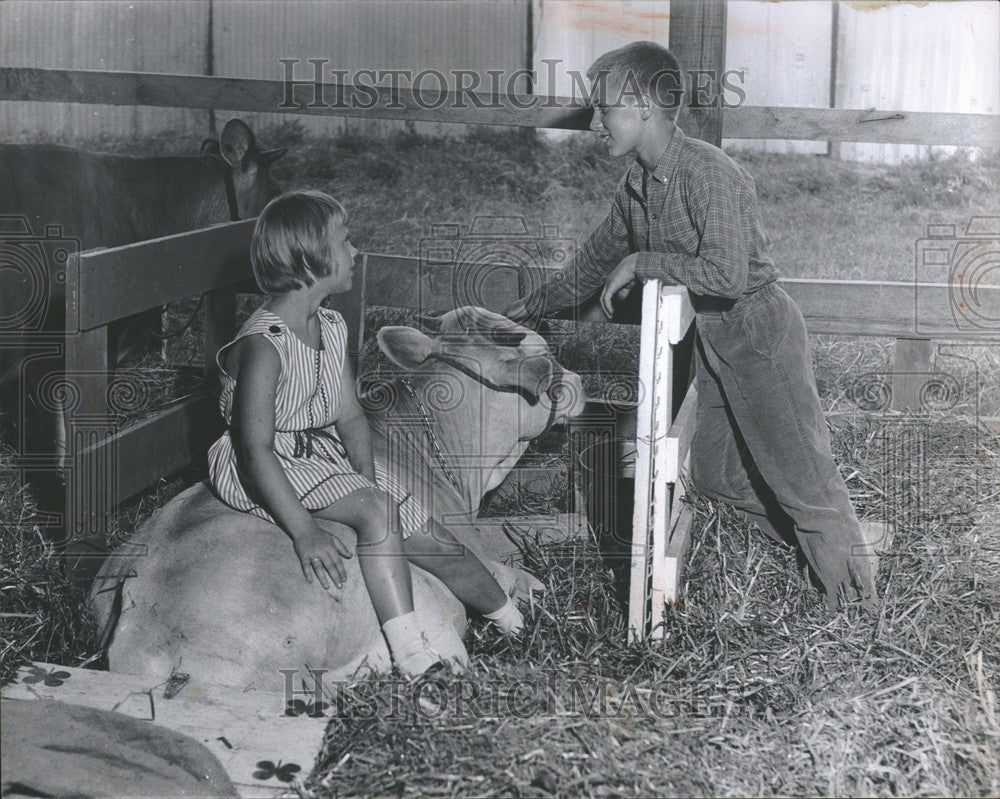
(619, 284)
(320, 553)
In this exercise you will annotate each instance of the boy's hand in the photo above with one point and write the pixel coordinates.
(320, 553)
(619, 284)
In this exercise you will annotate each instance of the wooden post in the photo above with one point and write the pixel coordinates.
(698, 41)
(90, 480)
(912, 361)
(90, 483)
(220, 326)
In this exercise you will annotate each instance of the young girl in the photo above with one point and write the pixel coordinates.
(298, 445)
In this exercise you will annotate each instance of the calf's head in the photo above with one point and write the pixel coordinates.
(524, 384)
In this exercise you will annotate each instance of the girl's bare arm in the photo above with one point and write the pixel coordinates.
(253, 439)
(353, 427)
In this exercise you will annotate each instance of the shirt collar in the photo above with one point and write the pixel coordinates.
(664, 167)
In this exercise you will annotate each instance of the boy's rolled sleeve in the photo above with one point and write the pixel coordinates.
(721, 264)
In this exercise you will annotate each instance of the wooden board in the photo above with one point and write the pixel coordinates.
(851, 307)
(240, 727)
(680, 435)
(117, 282)
(241, 94)
(890, 308)
(178, 436)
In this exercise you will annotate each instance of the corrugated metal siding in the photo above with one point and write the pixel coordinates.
(575, 33)
(784, 49)
(415, 35)
(942, 57)
(937, 57)
(151, 37)
(249, 38)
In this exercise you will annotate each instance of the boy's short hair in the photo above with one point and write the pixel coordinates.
(291, 241)
(639, 68)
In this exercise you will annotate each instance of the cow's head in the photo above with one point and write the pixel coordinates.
(530, 387)
(245, 166)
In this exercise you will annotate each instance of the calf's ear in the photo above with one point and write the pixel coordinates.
(405, 346)
(237, 144)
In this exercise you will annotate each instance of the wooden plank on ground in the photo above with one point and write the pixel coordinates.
(240, 727)
(243, 94)
(680, 540)
(125, 280)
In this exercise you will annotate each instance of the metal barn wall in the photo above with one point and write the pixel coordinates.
(441, 35)
(784, 51)
(97, 34)
(249, 36)
(937, 56)
(941, 57)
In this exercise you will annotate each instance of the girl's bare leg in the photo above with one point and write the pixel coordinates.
(372, 514)
(436, 550)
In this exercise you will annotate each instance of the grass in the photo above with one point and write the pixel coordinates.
(765, 691)
(41, 609)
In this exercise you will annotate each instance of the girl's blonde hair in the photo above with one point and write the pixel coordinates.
(291, 241)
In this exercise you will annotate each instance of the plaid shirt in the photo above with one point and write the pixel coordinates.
(693, 222)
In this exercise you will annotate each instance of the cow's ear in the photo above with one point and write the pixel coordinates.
(405, 346)
(210, 148)
(237, 144)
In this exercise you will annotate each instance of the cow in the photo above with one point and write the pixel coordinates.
(219, 594)
(107, 200)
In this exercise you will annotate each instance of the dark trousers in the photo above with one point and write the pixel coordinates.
(761, 442)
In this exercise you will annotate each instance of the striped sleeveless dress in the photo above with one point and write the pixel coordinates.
(307, 403)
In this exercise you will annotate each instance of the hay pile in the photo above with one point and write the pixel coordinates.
(43, 612)
(755, 688)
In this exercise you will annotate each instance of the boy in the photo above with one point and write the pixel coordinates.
(686, 214)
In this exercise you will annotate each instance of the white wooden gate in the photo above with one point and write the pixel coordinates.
(661, 524)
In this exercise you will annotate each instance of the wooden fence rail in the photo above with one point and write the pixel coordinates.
(533, 111)
(110, 465)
